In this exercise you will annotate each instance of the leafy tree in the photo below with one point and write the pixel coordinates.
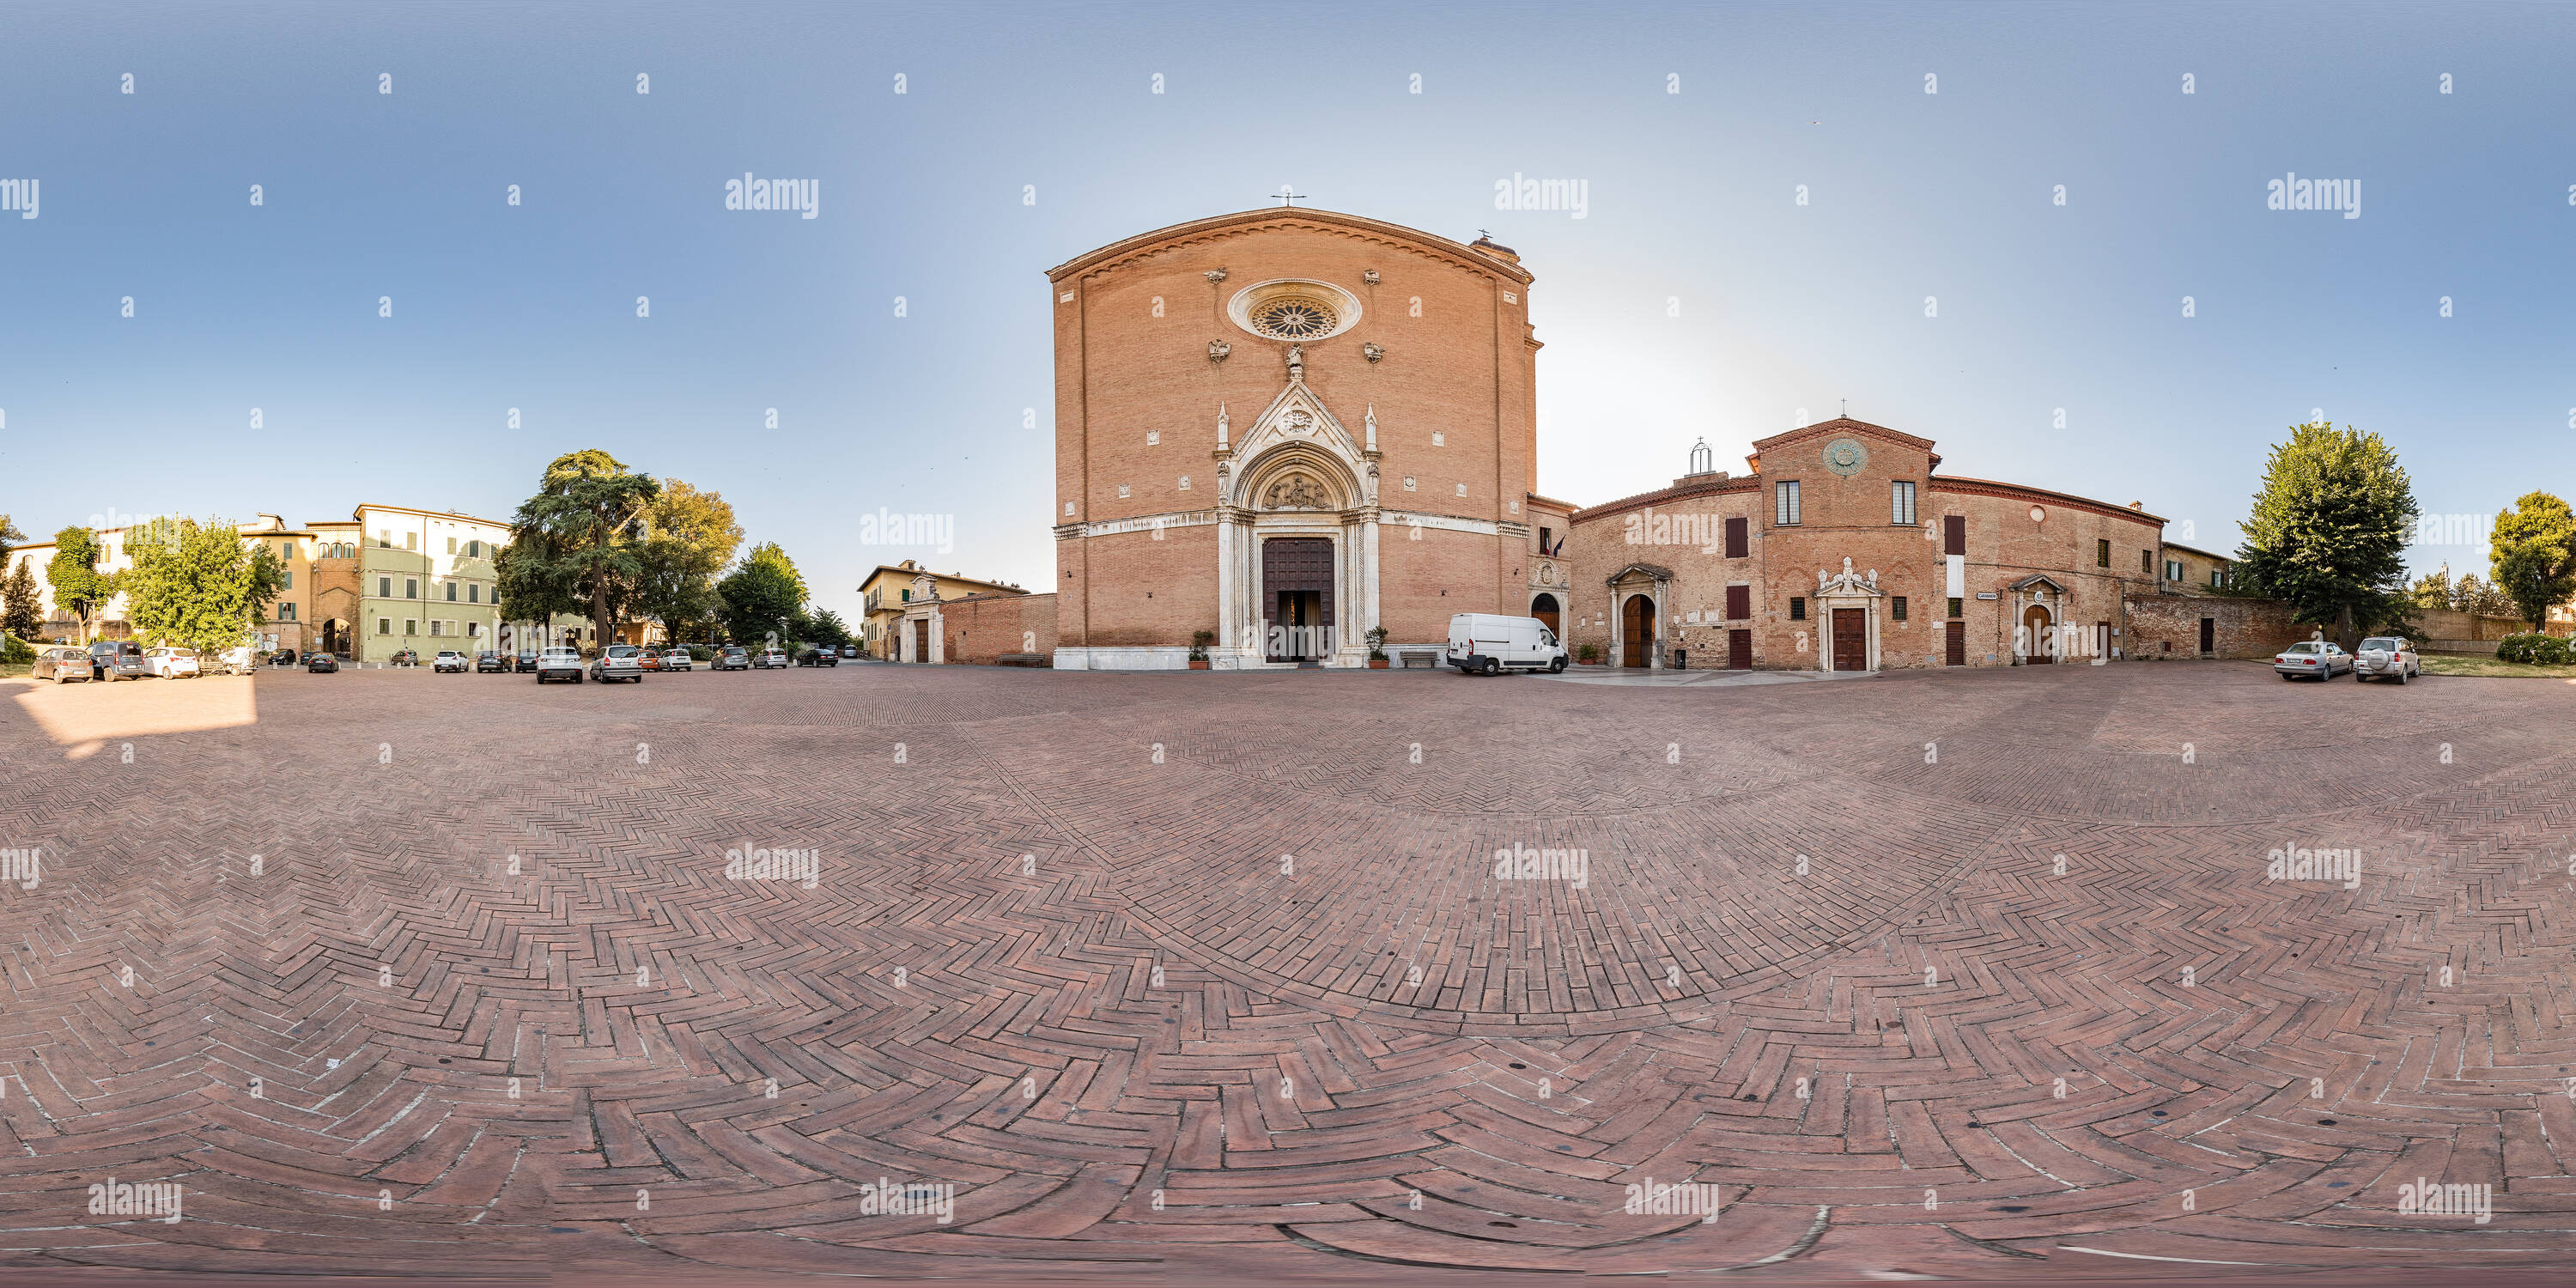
(20, 613)
(9, 536)
(769, 553)
(826, 627)
(689, 536)
(2329, 530)
(576, 546)
(2470, 595)
(80, 589)
(196, 584)
(759, 600)
(2533, 555)
(2432, 590)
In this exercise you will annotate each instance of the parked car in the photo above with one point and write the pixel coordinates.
(769, 659)
(113, 660)
(2320, 658)
(282, 657)
(618, 662)
(63, 665)
(237, 660)
(849, 650)
(677, 660)
(819, 657)
(172, 663)
(527, 660)
(405, 658)
(649, 659)
(732, 657)
(1490, 643)
(321, 664)
(448, 659)
(491, 660)
(559, 663)
(2384, 657)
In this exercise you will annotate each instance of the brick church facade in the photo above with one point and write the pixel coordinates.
(1285, 427)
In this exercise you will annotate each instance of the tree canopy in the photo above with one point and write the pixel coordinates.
(577, 545)
(80, 589)
(2329, 529)
(761, 598)
(195, 583)
(2533, 555)
(689, 536)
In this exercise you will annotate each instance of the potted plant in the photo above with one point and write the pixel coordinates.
(1199, 641)
(1377, 648)
(1587, 654)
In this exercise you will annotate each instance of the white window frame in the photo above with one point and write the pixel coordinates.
(1784, 503)
(1900, 495)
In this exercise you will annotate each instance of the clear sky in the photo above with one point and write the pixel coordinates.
(1693, 298)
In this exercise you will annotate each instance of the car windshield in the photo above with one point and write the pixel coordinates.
(2303, 648)
(621, 650)
(2384, 645)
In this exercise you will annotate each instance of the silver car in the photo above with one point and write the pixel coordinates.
(2317, 658)
(2383, 657)
(676, 660)
(618, 662)
(559, 664)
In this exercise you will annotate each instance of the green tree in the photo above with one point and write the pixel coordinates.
(576, 546)
(80, 589)
(2533, 555)
(2432, 590)
(2329, 530)
(689, 536)
(20, 613)
(826, 627)
(9, 536)
(768, 552)
(195, 583)
(759, 600)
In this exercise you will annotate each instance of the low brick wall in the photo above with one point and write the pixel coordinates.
(2168, 626)
(999, 630)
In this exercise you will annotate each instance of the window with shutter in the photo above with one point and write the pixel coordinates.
(2102, 552)
(1739, 603)
(1785, 508)
(1954, 534)
(1736, 542)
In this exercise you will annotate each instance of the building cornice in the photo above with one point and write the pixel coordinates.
(1244, 221)
(2018, 491)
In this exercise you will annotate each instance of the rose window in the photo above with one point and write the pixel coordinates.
(1294, 319)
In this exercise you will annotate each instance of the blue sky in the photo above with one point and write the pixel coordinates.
(1694, 299)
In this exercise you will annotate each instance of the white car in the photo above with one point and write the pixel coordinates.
(170, 663)
(1490, 643)
(449, 659)
(559, 664)
(2311, 657)
(2383, 657)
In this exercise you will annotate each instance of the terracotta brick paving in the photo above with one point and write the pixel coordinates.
(1194, 977)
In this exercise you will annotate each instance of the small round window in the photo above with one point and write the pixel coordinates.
(1295, 309)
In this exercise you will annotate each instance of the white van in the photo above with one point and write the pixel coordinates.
(1490, 643)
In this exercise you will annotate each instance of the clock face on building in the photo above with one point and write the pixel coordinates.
(1846, 456)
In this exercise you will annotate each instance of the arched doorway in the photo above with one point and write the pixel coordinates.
(1637, 631)
(335, 636)
(2037, 639)
(1544, 609)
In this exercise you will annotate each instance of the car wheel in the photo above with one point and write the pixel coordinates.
(1556, 667)
(1493, 667)
(2401, 677)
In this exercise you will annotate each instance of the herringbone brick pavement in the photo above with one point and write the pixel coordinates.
(1194, 976)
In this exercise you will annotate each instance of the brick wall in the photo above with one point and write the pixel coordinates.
(983, 628)
(2168, 626)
